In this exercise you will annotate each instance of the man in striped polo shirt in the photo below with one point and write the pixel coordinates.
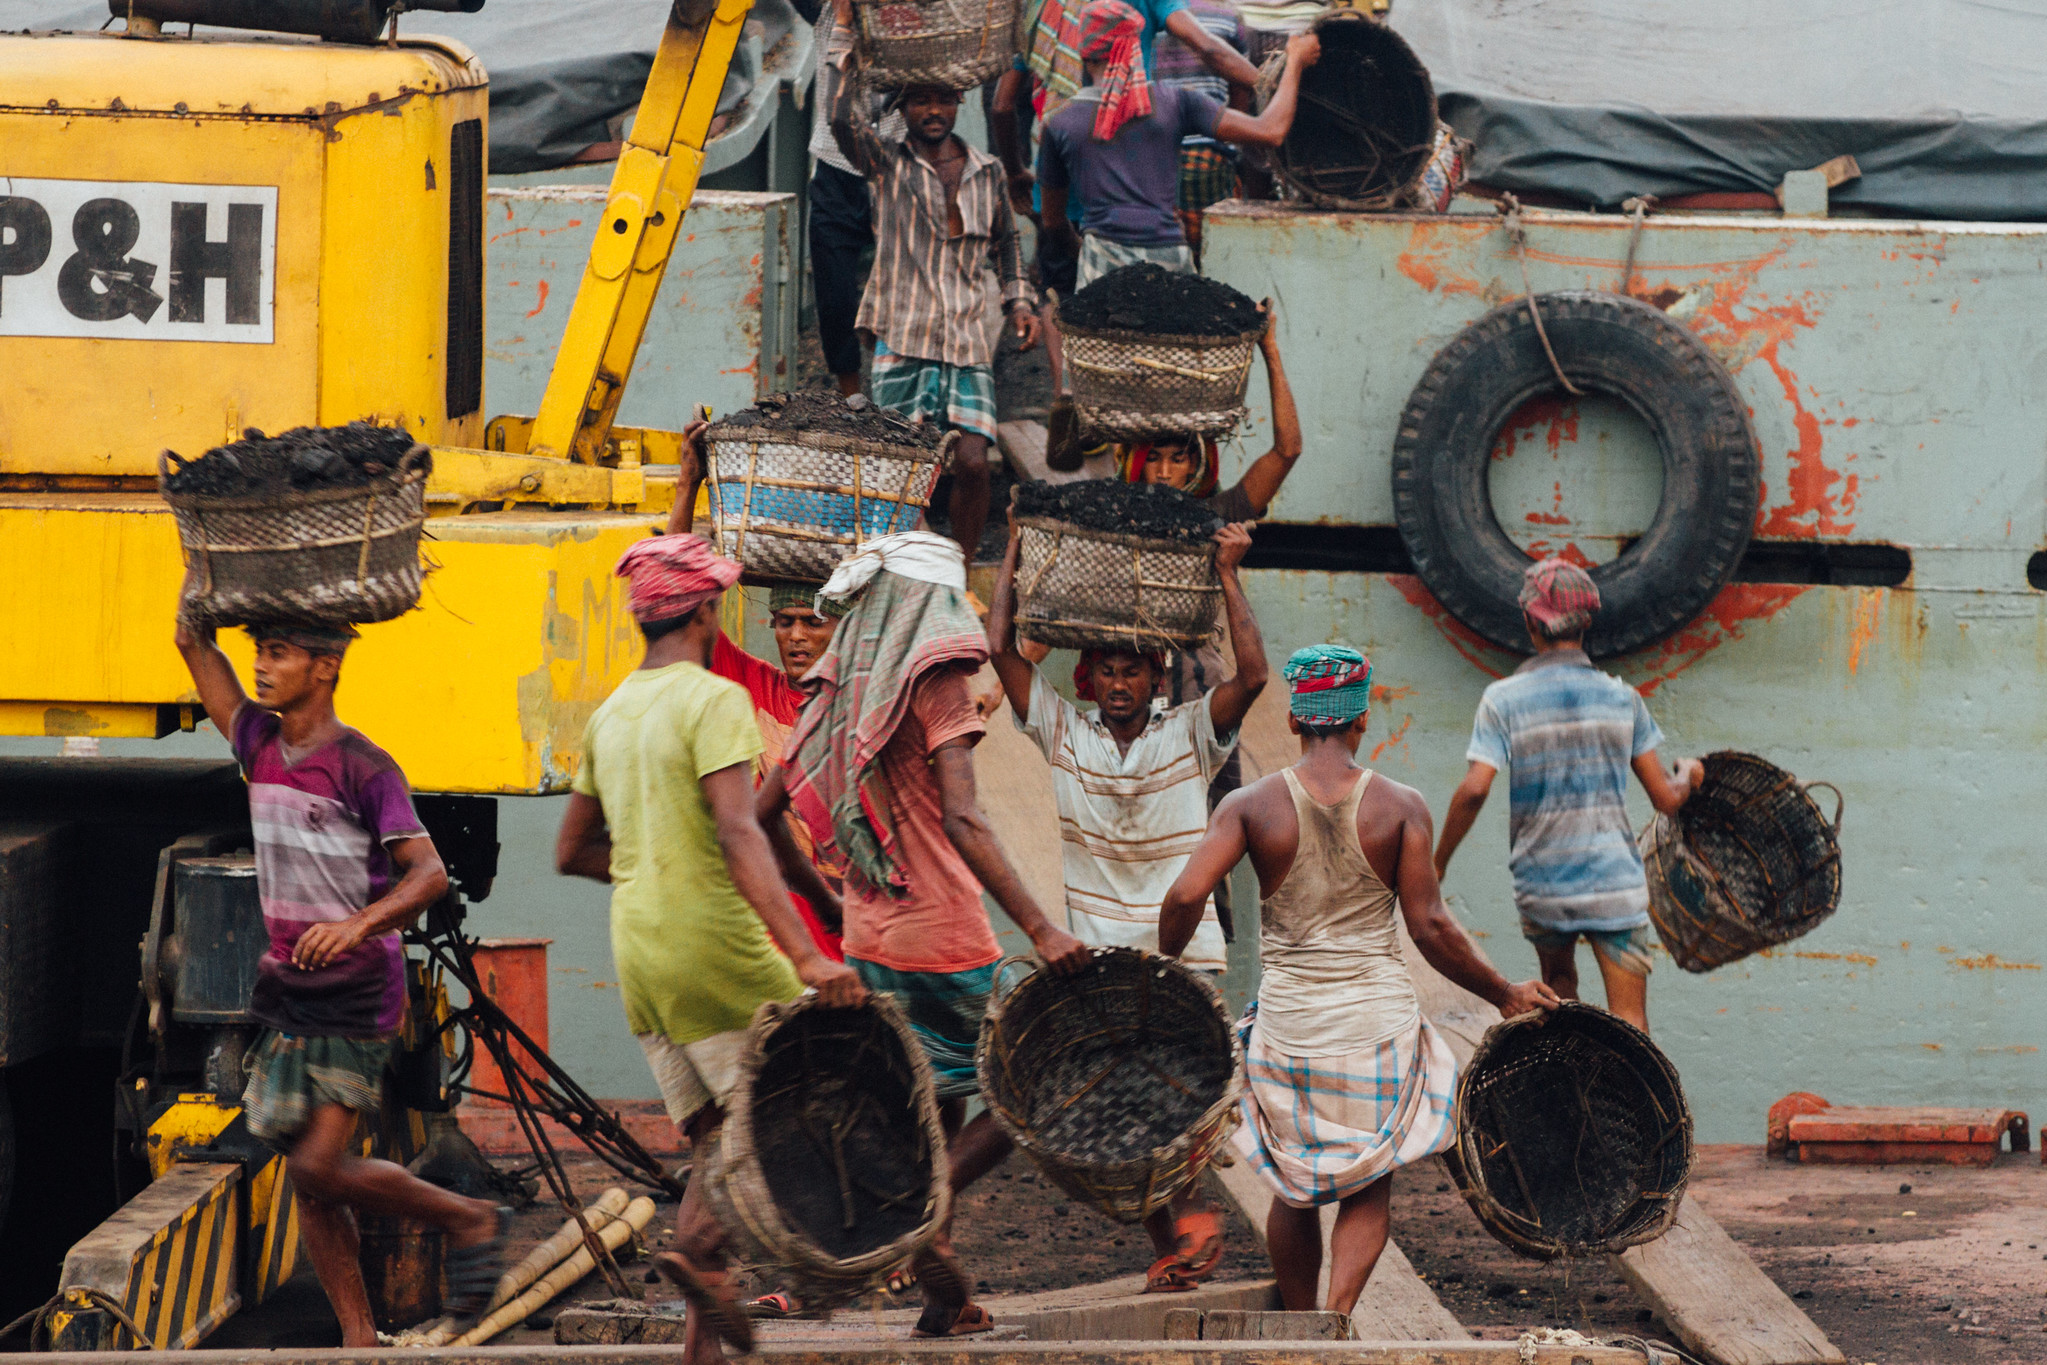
(1131, 781)
(941, 215)
(1570, 733)
(342, 865)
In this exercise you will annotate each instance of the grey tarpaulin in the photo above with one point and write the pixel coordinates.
(1942, 102)
(561, 71)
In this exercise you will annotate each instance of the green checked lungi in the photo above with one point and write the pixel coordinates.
(958, 396)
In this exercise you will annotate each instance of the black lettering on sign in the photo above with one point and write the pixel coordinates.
(24, 237)
(100, 283)
(238, 260)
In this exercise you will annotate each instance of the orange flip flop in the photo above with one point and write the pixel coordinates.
(1188, 1266)
(946, 1322)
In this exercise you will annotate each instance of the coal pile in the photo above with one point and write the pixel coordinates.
(836, 1123)
(1150, 510)
(1159, 302)
(856, 417)
(302, 459)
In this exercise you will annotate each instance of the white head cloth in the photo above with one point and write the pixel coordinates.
(920, 555)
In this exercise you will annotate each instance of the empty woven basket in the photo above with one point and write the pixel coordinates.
(1135, 386)
(335, 555)
(1120, 1082)
(789, 505)
(1573, 1135)
(1747, 863)
(1367, 128)
(831, 1164)
(953, 43)
(1079, 589)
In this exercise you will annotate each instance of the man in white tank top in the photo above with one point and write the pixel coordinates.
(1346, 1081)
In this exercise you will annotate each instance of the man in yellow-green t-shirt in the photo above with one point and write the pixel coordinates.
(663, 810)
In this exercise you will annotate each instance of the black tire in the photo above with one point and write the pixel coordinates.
(1607, 344)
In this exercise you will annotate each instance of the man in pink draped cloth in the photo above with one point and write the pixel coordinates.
(1346, 1081)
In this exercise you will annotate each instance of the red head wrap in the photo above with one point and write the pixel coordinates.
(1109, 32)
(673, 575)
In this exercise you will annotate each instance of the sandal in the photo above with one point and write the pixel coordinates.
(939, 1321)
(902, 1279)
(1188, 1266)
(780, 1304)
(473, 1271)
(710, 1293)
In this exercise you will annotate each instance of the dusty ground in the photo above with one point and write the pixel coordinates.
(1953, 1270)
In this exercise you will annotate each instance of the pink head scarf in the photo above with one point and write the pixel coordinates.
(1109, 32)
(672, 576)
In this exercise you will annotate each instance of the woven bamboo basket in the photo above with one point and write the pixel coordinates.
(1573, 1134)
(1134, 386)
(329, 555)
(831, 1164)
(1080, 589)
(790, 505)
(953, 43)
(1748, 862)
(1120, 1082)
(1367, 131)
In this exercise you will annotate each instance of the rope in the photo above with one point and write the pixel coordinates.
(1519, 238)
(36, 1318)
(1639, 206)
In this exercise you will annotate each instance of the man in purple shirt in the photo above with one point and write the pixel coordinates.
(1117, 145)
(342, 864)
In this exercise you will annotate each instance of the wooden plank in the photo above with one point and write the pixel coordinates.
(1696, 1278)
(1875, 1123)
(1396, 1305)
(1722, 1307)
(1236, 1325)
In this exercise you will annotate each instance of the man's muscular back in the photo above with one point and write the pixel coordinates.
(1389, 813)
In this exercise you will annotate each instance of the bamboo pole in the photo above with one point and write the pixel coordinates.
(614, 1235)
(551, 1252)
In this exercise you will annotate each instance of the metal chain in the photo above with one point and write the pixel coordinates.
(1519, 238)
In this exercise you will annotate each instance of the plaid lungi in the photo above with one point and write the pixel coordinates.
(289, 1077)
(945, 1010)
(1208, 175)
(961, 396)
(1320, 1129)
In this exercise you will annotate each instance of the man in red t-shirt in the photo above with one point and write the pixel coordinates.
(881, 769)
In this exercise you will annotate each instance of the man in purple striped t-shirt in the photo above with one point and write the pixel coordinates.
(342, 864)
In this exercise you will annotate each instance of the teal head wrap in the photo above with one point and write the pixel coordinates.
(1329, 684)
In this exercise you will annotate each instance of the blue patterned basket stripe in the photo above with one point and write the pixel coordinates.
(827, 511)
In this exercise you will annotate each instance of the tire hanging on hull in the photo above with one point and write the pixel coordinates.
(1607, 344)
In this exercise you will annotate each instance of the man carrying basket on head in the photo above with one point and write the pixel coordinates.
(941, 213)
(1346, 1081)
(881, 768)
(1131, 781)
(1571, 733)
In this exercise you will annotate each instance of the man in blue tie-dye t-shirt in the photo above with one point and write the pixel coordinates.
(1568, 734)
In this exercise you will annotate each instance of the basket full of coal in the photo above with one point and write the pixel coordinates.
(832, 1163)
(801, 480)
(1120, 1081)
(1113, 564)
(319, 524)
(1154, 352)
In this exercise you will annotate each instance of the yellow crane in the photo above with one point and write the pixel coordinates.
(201, 233)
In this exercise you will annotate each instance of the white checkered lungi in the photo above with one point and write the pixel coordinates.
(1319, 1129)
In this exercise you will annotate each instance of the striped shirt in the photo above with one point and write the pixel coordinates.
(321, 825)
(1129, 821)
(1566, 734)
(924, 294)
